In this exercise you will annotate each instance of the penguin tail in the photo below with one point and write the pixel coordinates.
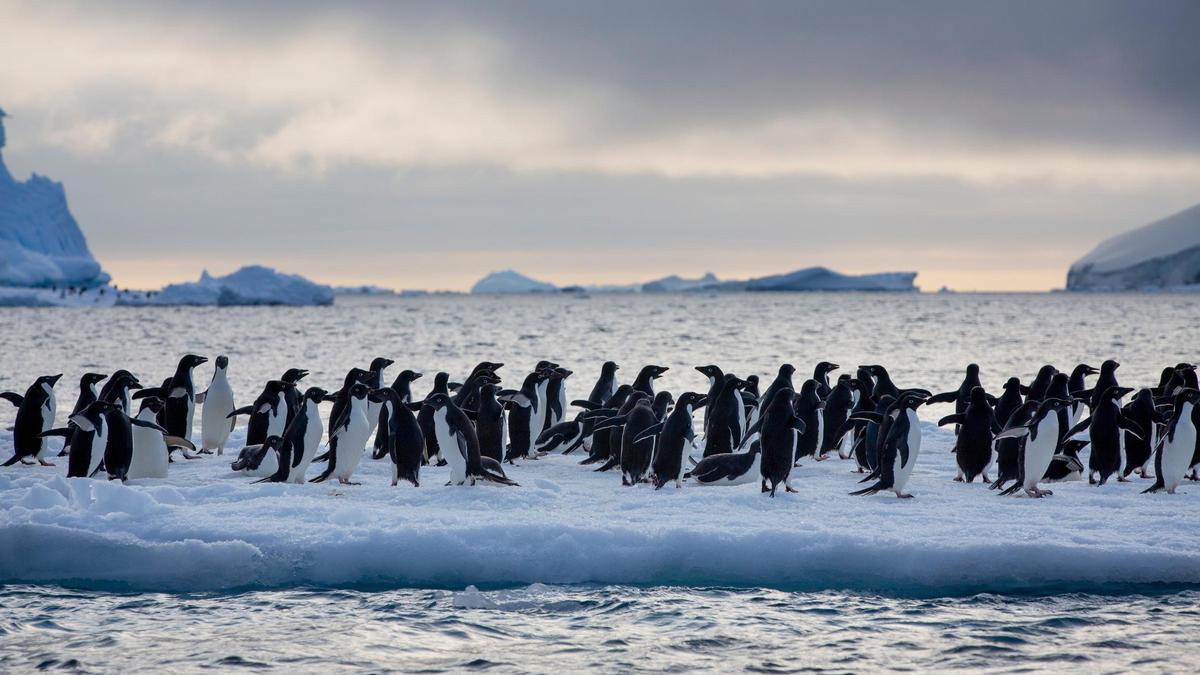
(490, 477)
(868, 491)
(1012, 489)
(610, 464)
(871, 476)
(325, 474)
(997, 484)
(322, 457)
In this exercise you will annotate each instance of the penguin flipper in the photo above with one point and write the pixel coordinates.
(65, 432)
(12, 460)
(149, 425)
(244, 410)
(957, 418)
(13, 398)
(945, 397)
(177, 442)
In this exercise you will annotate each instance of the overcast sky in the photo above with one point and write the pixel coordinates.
(985, 145)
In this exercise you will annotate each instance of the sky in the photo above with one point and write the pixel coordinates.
(421, 145)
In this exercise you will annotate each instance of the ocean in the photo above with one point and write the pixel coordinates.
(571, 571)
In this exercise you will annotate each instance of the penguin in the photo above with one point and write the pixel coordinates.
(1008, 449)
(545, 369)
(351, 431)
(783, 380)
(601, 449)
(215, 425)
(716, 380)
(404, 441)
(1175, 451)
(301, 437)
(525, 420)
(871, 427)
(961, 397)
(661, 405)
(777, 428)
(835, 413)
(1037, 388)
(402, 385)
(731, 468)
(671, 437)
(606, 384)
(1139, 451)
(87, 396)
(973, 447)
(151, 451)
(864, 402)
(1060, 389)
(556, 397)
(268, 413)
(646, 377)
(460, 445)
(821, 375)
(1104, 430)
(35, 414)
(261, 460)
(469, 391)
(883, 383)
(118, 449)
(1076, 383)
(1041, 435)
(88, 440)
(291, 395)
(1104, 382)
(471, 399)
(433, 453)
(636, 455)
(179, 406)
(614, 426)
(374, 380)
(491, 424)
(117, 389)
(899, 449)
(341, 400)
(724, 433)
(564, 436)
(808, 408)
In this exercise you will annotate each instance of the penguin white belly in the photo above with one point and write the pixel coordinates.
(49, 410)
(373, 410)
(820, 431)
(351, 444)
(562, 403)
(214, 415)
(99, 442)
(1177, 452)
(269, 465)
(449, 445)
(535, 429)
(312, 440)
(752, 475)
(149, 458)
(903, 471)
(741, 413)
(191, 417)
(1040, 451)
(277, 418)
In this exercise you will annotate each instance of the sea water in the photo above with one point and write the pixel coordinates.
(828, 582)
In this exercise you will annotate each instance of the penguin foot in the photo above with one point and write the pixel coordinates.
(822, 458)
(903, 495)
(1047, 493)
(1091, 479)
(205, 451)
(791, 489)
(986, 479)
(1122, 479)
(45, 463)
(958, 479)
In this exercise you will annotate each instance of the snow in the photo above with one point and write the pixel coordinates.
(208, 528)
(510, 281)
(1163, 254)
(251, 285)
(40, 242)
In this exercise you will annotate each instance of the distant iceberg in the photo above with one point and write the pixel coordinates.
(1164, 255)
(676, 283)
(251, 285)
(366, 289)
(823, 279)
(510, 281)
(41, 245)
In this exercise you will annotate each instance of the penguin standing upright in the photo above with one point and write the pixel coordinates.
(1076, 383)
(864, 402)
(374, 380)
(973, 446)
(606, 384)
(1104, 430)
(671, 438)
(899, 448)
(777, 435)
(636, 455)
(1104, 382)
(433, 453)
(352, 432)
(525, 419)
(961, 397)
(88, 440)
(614, 426)
(292, 395)
(646, 377)
(405, 443)
(1041, 439)
(556, 397)
(303, 435)
(1037, 388)
(1139, 451)
(835, 413)
(35, 414)
(87, 396)
(491, 424)
(179, 405)
(268, 413)
(1179, 443)
(724, 433)
(783, 380)
(808, 405)
(215, 425)
(118, 450)
(716, 380)
(1008, 448)
(460, 445)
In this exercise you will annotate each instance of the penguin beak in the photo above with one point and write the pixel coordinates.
(54, 380)
(417, 376)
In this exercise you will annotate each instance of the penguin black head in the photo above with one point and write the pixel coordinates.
(315, 394)
(222, 362)
(710, 371)
(543, 365)
(1013, 383)
(978, 395)
(808, 388)
(49, 380)
(973, 369)
(408, 376)
(380, 363)
(826, 367)
(293, 375)
(845, 378)
(488, 365)
(359, 391)
(1115, 393)
(191, 361)
(1187, 395)
(154, 403)
(273, 442)
(609, 367)
(786, 370)
(1185, 367)
(691, 398)
(1084, 369)
(438, 401)
(1109, 366)
(782, 398)
(124, 377)
(441, 380)
(912, 400)
(663, 401)
(277, 386)
(91, 378)
(563, 373)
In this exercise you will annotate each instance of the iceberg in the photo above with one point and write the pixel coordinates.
(1164, 255)
(822, 279)
(251, 285)
(510, 281)
(206, 528)
(41, 245)
(676, 283)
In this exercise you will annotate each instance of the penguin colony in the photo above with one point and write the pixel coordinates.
(1027, 436)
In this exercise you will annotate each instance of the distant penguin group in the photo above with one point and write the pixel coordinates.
(1027, 437)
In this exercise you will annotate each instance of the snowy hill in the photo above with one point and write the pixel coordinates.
(251, 285)
(41, 245)
(510, 281)
(1164, 254)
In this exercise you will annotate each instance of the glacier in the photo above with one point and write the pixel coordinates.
(1164, 255)
(250, 285)
(41, 245)
(206, 528)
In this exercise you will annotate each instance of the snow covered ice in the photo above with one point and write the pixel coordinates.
(1162, 255)
(208, 528)
(250, 285)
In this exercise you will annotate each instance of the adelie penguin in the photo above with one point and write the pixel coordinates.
(268, 413)
(460, 445)
(88, 440)
(118, 389)
(837, 408)
(300, 439)
(1104, 429)
(777, 429)
(821, 375)
(118, 450)
(341, 401)
(1008, 448)
(724, 432)
(1041, 440)
(433, 453)
(601, 449)
(646, 377)
(716, 380)
(614, 426)
(636, 454)
(556, 396)
(151, 451)
(351, 432)
(808, 406)
(524, 420)
(179, 406)
(374, 380)
(261, 459)
(87, 396)
(1076, 383)
(491, 423)
(973, 447)
(1174, 454)
(606, 384)
(672, 438)
(1139, 451)
(404, 442)
(215, 424)
(291, 395)
(961, 397)
(783, 380)
(899, 449)
(35, 413)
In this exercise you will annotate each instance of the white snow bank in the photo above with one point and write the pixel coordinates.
(251, 285)
(1163, 254)
(206, 528)
(510, 281)
(40, 242)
